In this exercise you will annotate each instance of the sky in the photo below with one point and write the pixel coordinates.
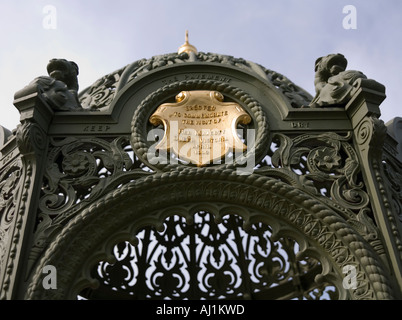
(286, 36)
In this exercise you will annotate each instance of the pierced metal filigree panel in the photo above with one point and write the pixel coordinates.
(206, 260)
(80, 170)
(321, 164)
(326, 166)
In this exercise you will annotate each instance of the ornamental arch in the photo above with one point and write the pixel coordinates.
(293, 214)
(201, 176)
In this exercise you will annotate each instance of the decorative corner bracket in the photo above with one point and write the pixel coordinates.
(369, 138)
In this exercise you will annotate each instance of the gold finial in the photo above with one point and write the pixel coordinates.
(187, 47)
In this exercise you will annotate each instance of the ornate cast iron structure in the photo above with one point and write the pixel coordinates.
(85, 190)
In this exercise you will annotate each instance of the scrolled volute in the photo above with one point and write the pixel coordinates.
(30, 138)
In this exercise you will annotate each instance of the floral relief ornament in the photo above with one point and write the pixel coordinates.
(326, 158)
(75, 164)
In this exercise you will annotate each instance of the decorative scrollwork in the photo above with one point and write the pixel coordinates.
(327, 162)
(206, 260)
(327, 166)
(10, 179)
(297, 96)
(81, 170)
(102, 92)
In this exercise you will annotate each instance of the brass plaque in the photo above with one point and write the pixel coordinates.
(200, 128)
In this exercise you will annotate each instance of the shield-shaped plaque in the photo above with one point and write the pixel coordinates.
(200, 128)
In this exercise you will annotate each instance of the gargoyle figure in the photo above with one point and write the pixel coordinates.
(64, 71)
(57, 94)
(333, 84)
(59, 89)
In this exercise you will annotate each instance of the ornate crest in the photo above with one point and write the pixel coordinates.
(200, 128)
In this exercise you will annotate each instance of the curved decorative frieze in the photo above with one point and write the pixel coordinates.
(119, 215)
(102, 92)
